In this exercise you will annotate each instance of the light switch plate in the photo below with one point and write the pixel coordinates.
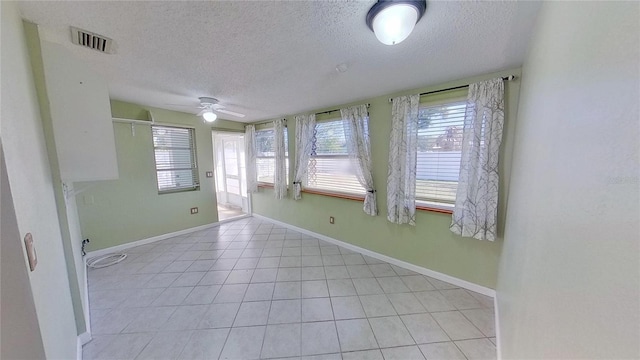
(209, 174)
(31, 251)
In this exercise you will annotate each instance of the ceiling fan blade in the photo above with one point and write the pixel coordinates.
(232, 113)
(202, 112)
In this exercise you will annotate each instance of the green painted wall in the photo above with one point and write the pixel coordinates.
(130, 208)
(429, 244)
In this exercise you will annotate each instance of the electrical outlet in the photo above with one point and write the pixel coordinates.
(194, 210)
(332, 220)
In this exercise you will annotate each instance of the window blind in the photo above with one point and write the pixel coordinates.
(265, 155)
(174, 151)
(330, 168)
(440, 129)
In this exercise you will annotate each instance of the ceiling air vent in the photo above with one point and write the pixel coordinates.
(91, 40)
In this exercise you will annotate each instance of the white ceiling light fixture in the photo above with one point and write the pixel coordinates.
(209, 105)
(209, 116)
(393, 21)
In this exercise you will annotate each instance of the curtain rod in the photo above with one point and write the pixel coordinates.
(330, 111)
(505, 78)
(264, 122)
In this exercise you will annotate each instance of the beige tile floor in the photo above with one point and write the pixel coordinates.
(249, 289)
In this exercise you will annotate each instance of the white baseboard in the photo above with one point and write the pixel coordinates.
(78, 349)
(419, 269)
(84, 338)
(220, 222)
(497, 325)
(81, 340)
(87, 313)
(129, 245)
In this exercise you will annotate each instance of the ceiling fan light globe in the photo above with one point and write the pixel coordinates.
(394, 24)
(209, 116)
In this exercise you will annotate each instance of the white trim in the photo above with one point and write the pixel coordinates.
(435, 205)
(78, 348)
(82, 339)
(419, 269)
(132, 121)
(149, 122)
(129, 245)
(497, 325)
(87, 311)
(233, 219)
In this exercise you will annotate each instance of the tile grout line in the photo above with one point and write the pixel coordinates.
(335, 321)
(231, 327)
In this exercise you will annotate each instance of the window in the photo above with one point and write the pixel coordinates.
(265, 155)
(330, 168)
(440, 128)
(174, 150)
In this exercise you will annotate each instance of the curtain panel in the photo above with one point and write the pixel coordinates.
(250, 152)
(401, 179)
(305, 128)
(356, 122)
(280, 174)
(476, 208)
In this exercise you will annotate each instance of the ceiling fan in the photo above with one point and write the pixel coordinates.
(210, 106)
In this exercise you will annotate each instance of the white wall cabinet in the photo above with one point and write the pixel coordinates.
(81, 116)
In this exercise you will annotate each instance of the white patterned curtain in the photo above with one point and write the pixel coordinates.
(305, 127)
(250, 153)
(401, 180)
(476, 209)
(356, 122)
(280, 173)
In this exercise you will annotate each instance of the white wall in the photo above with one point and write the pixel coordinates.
(569, 275)
(19, 331)
(32, 189)
(75, 239)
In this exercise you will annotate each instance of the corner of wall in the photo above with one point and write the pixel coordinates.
(67, 216)
(32, 188)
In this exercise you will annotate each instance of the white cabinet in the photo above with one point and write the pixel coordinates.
(81, 115)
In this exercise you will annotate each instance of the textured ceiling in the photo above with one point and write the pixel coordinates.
(273, 58)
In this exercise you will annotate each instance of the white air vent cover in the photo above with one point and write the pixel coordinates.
(91, 40)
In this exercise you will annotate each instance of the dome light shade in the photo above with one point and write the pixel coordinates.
(393, 21)
(209, 116)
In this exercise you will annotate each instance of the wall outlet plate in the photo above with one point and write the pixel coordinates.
(194, 210)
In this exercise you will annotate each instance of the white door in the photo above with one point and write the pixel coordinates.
(231, 187)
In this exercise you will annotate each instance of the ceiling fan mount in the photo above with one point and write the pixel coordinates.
(210, 106)
(208, 101)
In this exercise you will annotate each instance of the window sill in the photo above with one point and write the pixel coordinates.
(175, 191)
(334, 194)
(266, 186)
(434, 207)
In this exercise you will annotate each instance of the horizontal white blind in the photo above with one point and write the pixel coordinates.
(440, 130)
(330, 168)
(265, 155)
(174, 151)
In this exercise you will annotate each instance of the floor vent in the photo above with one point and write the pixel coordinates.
(91, 40)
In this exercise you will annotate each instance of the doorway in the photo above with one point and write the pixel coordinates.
(230, 174)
